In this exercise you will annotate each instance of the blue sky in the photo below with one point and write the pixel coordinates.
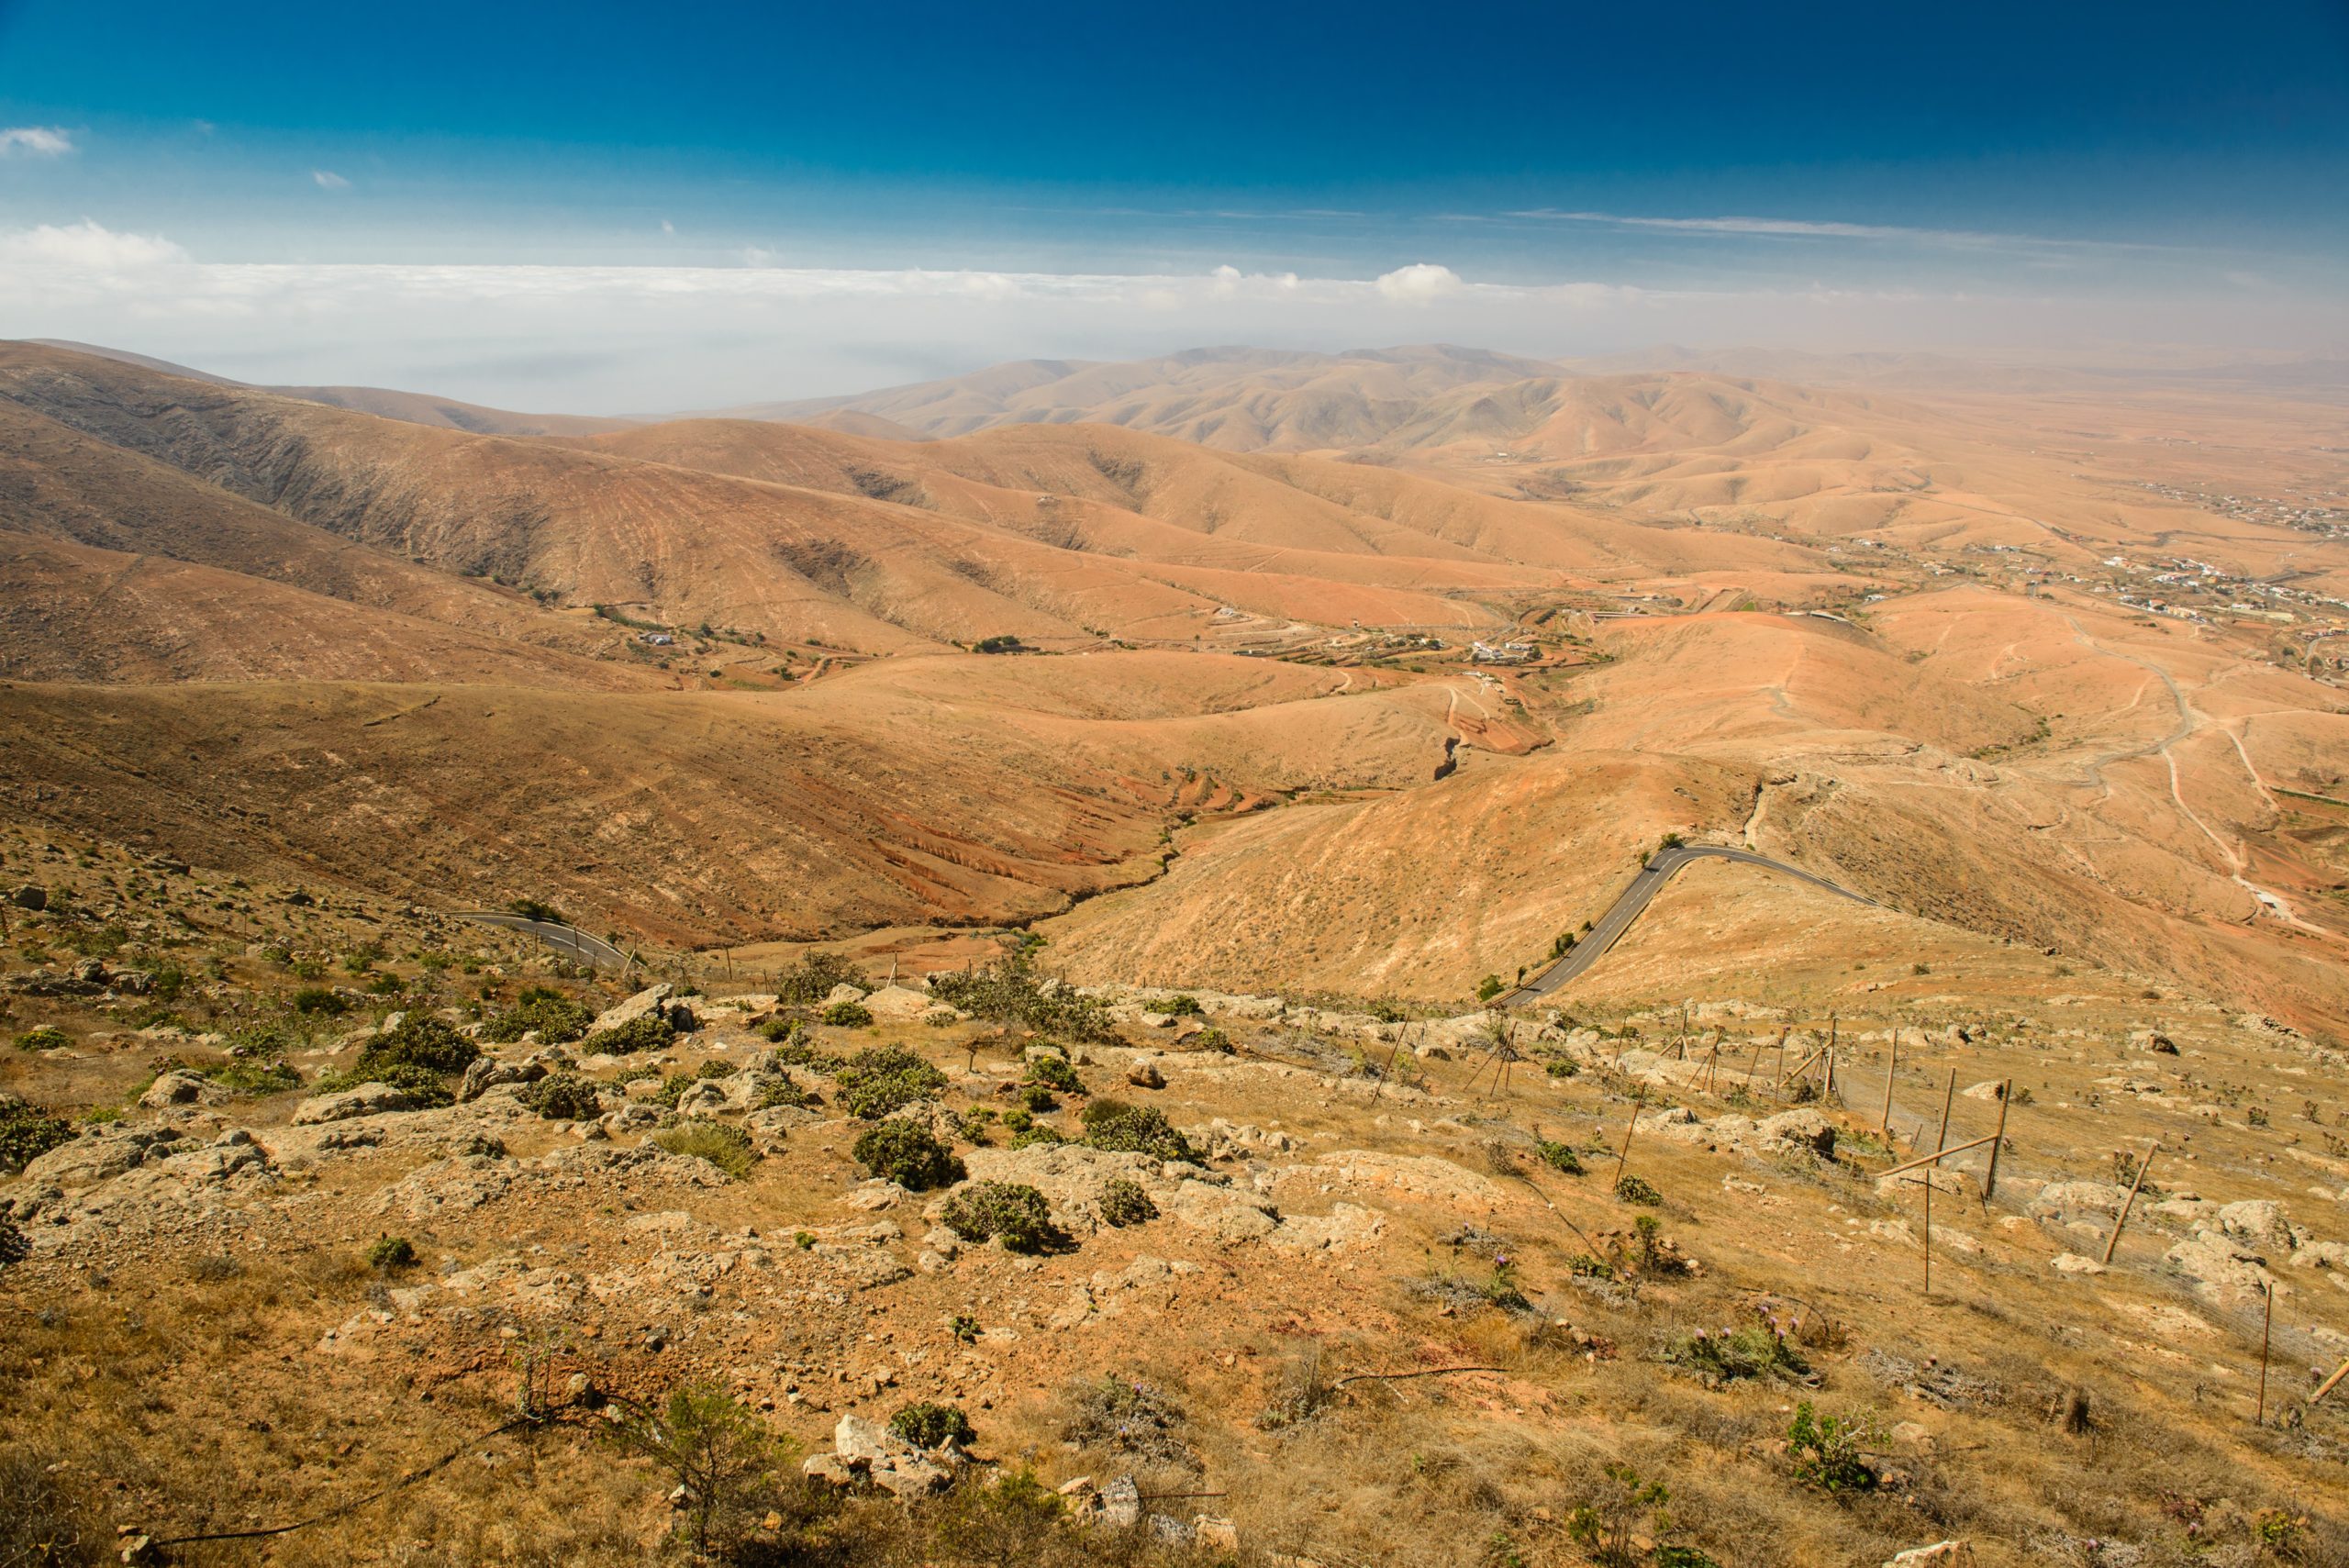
(316, 185)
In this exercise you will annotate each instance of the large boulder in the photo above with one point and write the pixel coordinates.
(365, 1099)
(1801, 1128)
(867, 1450)
(897, 1004)
(487, 1073)
(180, 1087)
(660, 998)
(2259, 1223)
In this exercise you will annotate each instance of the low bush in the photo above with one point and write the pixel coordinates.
(318, 999)
(778, 1089)
(27, 1133)
(908, 1154)
(1637, 1189)
(1013, 1211)
(815, 976)
(1726, 1355)
(45, 1038)
(930, 1425)
(1008, 992)
(558, 1019)
(1055, 1073)
(420, 1040)
(874, 1082)
(848, 1015)
(1179, 1007)
(649, 1032)
(1123, 1203)
(562, 1096)
(424, 1087)
(1038, 1099)
(1124, 1416)
(1828, 1452)
(1558, 1157)
(1036, 1132)
(1120, 1129)
(728, 1148)
(389, 1253)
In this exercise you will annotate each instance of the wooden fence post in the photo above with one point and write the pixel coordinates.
(1941, 1138)
(1891, 1069)
(2130, 1201)
(1637, 1105)
(1997, 1139)
(2266, 1321)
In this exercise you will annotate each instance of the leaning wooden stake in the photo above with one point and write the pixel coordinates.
(1929, 1233)
(2130, 1201)
(2330, 1384)
(1936, 1154)
(1891, 1069)
(2266, 1320)
(1997, 1139)
(1637, 1105)
(1948, 1095)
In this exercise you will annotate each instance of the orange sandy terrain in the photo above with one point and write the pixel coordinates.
(698, 679)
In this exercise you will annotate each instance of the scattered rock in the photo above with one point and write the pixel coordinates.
(366, 1099)
(182, 1088)
(1144, 1074)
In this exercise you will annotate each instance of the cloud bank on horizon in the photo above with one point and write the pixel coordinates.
(643, 338)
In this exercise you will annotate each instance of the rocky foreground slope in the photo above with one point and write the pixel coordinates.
(363, 1220)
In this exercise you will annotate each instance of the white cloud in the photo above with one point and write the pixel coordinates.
(639, 339)
(39, 141)
(329, 180)
(667, 227)
(1732, 226)
(1421, 282)
(85, 245)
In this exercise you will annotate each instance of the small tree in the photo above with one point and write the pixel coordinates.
(1606, 1525)
(711, 1445)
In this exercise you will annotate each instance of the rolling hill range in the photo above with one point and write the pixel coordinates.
(714, 681)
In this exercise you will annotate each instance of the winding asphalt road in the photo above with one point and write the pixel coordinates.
(1634, 899)
(569, 938)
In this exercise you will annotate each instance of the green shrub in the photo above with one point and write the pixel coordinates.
(1489, 987)
(420, 1040)
(1608, 1527)
(1175, 1007)
(848, 1015)
(558, 1019)
(1828, 1453)
(1123, 1203)
(1561, 1067)
(1035, 1133)
(649, 1032)
(1008, 992)
(796, 1052)
(815, 977)
(1055, 1073)
(390, 1252)
(1558, 1157)
(906, 1153)
(778, 1089)
(318, 999)
(1012, 1210)
(562, 1096)
(247, 1075)
(728, 1148)
(928, 1425)
(1212, 1039)
(1729, 1354)
(1135, 1129)
(1637, 1189)
(27, 1133)
(48, 1037)
(1038, 1099)
(874, 1082)
(428, 1089)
